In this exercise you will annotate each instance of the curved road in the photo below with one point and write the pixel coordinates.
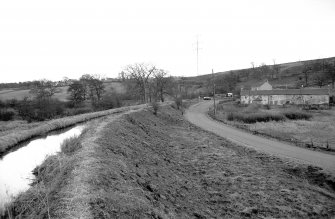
(197, 114)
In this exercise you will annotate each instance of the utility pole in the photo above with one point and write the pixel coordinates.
(197, 55)
(197, 50)
(214, 91)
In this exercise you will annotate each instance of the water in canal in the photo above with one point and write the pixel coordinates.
(16, 167)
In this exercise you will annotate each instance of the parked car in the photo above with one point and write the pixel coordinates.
(207, 98)
(229, 94)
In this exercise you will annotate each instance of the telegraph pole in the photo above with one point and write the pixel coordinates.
(197, 50)
(214, 91)
(197, 55)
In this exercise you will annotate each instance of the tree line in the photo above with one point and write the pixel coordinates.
(318, 73)
(144, 83)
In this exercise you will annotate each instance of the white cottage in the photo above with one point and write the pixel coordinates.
(288, 96)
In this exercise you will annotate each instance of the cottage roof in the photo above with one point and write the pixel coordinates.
(260, 83)
(305, 91)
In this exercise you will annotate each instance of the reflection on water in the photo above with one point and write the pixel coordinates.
(16, 167)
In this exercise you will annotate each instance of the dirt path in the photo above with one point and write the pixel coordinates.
(197, 114)
(79, 188)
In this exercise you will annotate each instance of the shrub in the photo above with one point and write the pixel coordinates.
(296, 115)
(267, 107)
(47, 109)
(2, 104)
(6, 115)
(25, 109)
(13, 103)
(155, 106)
(178, 101)
(230, 116)
(254, 117)
(108, 101)
(39, 110)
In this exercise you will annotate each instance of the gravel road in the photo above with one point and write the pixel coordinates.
(197, 114)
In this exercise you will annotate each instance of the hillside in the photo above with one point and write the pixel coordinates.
(146, 166)
(289, 76)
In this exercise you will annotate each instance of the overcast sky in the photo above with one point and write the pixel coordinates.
(54, 39)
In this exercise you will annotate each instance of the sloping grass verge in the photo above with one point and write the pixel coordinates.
(42, 199)
(10, 140)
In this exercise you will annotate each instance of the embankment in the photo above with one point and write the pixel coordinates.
(138, 165)
(10, 140)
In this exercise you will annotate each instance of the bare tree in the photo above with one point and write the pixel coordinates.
(122, 76)
(264, 70)
(140, 72)
(43, 89)
(77, 92)
(275, 69)
(161, 82)
(320, 79)
(330, 72)
(174, 88)
(306, 69)
(245, 73)
(93, 86)
(252, 65)
(255, 71)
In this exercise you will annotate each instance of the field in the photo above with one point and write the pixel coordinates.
(61, 95)
(9, 127)
(312, 129)
(147, 166)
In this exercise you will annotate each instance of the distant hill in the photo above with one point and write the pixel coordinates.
(289, 75)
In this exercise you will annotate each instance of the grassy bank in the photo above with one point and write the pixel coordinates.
(50, 178)
(15, 137)
(147, 166)
(310, 129)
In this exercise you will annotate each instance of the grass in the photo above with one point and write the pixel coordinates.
(288, 124)
(257, 113)
(13, 138)
(16, 125)
(14, 94)
(147, 166)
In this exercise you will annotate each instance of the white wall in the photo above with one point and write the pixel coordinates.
(282, 99)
